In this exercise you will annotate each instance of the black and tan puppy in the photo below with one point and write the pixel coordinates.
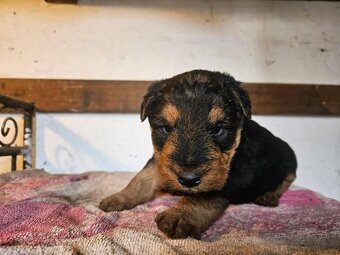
(207, 149)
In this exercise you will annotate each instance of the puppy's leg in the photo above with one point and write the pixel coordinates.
(142, 188)
(191, 216)
(272, 198)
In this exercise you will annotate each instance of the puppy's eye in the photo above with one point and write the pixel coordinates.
(166, 129)
(218, 131)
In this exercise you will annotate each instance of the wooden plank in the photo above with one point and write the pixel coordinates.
(91, 96)
(77, 95)
(16, 104)
(76, 1)
(298, 99)
(62, 1)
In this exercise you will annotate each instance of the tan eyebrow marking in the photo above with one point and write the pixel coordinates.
(216, 114)
(170, 113)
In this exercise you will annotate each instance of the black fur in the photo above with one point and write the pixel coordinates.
(261, 163)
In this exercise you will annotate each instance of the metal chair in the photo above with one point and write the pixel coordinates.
(10, 105)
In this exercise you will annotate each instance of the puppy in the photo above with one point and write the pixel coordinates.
(208, 150)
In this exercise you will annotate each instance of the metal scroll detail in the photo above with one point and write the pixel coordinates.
(6, 129)
(9, 131)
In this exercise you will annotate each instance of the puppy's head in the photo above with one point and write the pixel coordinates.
(196, 120)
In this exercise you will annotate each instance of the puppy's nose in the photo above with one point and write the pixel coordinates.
(189, 179)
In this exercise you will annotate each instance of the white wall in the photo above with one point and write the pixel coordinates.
(262, 41)
(76, 142)
(256, 41)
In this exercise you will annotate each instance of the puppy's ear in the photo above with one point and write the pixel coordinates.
(243, 99)
(145, 104)
(149, 98)
(240, 95)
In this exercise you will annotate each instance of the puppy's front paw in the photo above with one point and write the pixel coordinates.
(268, 199)
(176, 224)
(113, 203)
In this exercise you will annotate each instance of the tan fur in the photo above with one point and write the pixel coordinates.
(191, 216)
(272, 198)
(141, 189)
(216, 114)
(215, 172)
(285, 184)
(232, 151)
(220, 166)
(170, 113)
(163, 162)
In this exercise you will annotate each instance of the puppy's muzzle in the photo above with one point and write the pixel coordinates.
(189, 179)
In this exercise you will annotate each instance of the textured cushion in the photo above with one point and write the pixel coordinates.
(43, 214)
